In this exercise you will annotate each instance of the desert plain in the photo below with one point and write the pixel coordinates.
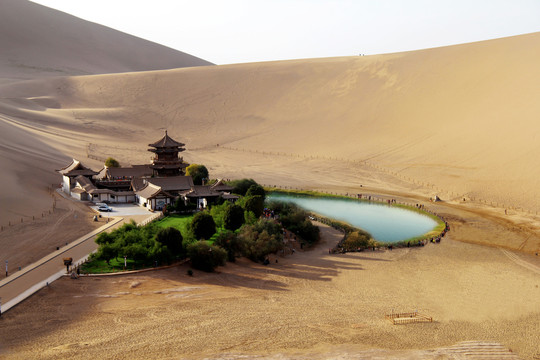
(458, 122)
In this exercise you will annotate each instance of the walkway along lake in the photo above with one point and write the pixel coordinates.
(385, 223)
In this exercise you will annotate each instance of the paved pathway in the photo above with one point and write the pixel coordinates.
(24, 283)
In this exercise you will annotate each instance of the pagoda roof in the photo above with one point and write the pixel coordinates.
(166, 141)
(178, 165)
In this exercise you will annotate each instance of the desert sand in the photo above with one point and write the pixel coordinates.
(459, 122)
(310, 305)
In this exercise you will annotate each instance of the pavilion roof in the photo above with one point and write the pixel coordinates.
(134, 171)
(221, 186)
(172, 183)
(166, 141)
(201, 191)
(151, 191)
(76, 169)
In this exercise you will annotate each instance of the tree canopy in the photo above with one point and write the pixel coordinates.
(203, 226)
(241, 186)
(256, 189)
(234, 217)
(172, 239)
(198, 173)
(111, 162)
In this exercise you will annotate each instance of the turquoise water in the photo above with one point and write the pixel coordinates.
(385, 223)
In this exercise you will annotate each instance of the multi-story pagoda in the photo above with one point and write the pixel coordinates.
(166, 161)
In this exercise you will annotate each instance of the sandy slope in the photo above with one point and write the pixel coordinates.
(310, 305)
(458, 121)
(37, 41)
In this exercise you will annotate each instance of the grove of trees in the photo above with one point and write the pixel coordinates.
(221, 233)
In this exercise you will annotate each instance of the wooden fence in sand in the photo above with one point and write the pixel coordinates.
(407, 318)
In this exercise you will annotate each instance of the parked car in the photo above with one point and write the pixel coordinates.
(104, 207)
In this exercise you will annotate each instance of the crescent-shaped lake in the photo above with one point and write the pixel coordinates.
(385, 223)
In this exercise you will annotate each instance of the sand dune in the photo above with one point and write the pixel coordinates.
(458, 121)
(37, 41)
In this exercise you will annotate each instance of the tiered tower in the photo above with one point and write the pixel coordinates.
(166, 161)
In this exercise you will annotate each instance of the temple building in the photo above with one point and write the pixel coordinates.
(166, 161)
(153, 186)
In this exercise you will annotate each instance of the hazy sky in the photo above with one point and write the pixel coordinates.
(238, 31)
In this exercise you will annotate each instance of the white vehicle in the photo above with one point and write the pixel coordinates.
(104, 207)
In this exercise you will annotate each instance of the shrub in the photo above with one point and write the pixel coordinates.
(206, 257)
(356, 240)
(234, 217)
(203, 226)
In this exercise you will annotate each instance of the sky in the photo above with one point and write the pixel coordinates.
(241, 31)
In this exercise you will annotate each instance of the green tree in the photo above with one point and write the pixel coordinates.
(229, 241)
(105, 238)
(260, 239)
(255, 204)
(137, 252)
(160, 253)
(107, 252)
(294, 219)
(206, 257)
(111, 162)
(218, 213)
(197, 172)
(203, 226)
(241, 186)
(256, 189)
(234, 217)
(249, 218)
(172, 239)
